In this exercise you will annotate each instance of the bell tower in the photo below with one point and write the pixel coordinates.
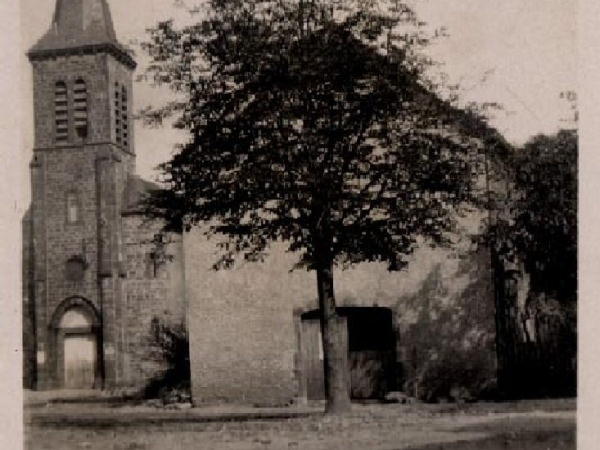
(82, 157)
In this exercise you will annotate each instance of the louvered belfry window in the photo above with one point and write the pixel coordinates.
(124, 121)
(118, 123)
(61, 113)
(80, 114)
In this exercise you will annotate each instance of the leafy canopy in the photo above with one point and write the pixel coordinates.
(310, 123)
(540, 227)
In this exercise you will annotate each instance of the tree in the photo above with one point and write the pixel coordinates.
(538, 226)
(309, 123)
(536, 230)
(545, 215)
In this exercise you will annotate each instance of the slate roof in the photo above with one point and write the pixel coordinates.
(136, 189)
(80, 24)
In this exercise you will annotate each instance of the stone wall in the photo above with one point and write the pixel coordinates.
(56, 241)
(120, 75)
(94, 168)
(243, 335)
(119, 279)
(447, 330)
(98, 262)
(28, 323)
(68, 69)
(241, 328)
(152, 291)
(100, 72)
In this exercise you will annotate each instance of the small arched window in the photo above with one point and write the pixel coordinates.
(61, 113)
(124, 114)
(80, 114)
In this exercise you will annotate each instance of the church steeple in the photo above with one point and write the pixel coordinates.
(82, 80)
(80, 25)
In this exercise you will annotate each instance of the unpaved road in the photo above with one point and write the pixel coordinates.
(528, 426)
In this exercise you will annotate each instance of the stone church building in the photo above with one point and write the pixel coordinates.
(94, 286)
(91, 284)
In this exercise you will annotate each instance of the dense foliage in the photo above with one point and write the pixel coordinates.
(171, 345)
(539, 227)
(535, 233)
(296, 134)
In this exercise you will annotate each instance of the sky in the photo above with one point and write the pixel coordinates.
(518, 53)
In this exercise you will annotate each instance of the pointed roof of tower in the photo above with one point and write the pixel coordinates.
(79, 25)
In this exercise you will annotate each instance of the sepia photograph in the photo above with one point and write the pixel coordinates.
(298, 224)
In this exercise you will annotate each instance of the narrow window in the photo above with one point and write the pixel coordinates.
(157, 258)
(61, 117)
(118, 129)
(72, 208)
(80, 114)
(155, 266)
(124, 121)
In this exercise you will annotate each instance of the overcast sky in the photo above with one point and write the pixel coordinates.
(520, 53)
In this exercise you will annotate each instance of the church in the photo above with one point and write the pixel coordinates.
(95, 288)
(91, 281)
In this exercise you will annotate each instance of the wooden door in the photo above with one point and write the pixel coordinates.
(79, 361)
(312, 349)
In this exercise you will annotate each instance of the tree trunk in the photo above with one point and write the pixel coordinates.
(335, 344)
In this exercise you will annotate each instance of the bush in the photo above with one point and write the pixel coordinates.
(173, 384)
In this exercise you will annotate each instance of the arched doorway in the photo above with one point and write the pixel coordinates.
(76, 331)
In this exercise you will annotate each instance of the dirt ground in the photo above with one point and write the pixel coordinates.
(542, 425)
